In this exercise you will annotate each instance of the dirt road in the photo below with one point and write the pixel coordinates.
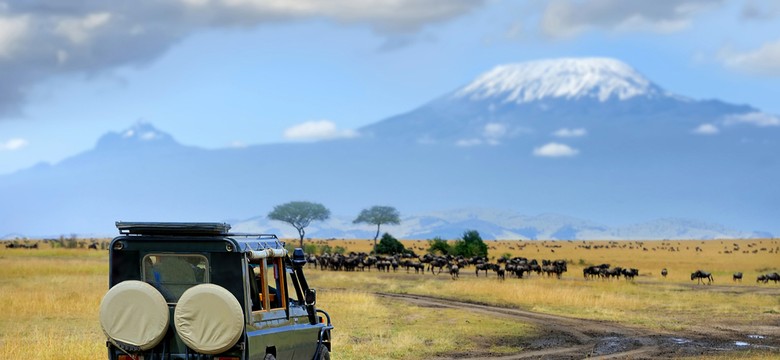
(569, 338)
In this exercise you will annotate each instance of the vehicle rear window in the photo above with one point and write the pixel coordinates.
(172, 274)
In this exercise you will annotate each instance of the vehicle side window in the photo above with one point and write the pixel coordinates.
(173, 274)
(256, 286)
(274, 280)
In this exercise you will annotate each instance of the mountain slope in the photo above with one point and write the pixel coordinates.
(590, 138)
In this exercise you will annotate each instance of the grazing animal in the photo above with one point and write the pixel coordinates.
(630, 273)
(700, 275)
(761, 278)
(501, 273)
(591, 271)
(454, 271)
(772, 276)
(664, 272)
(737, 276)
(93, 246)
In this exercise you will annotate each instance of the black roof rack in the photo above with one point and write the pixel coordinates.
(172, 228)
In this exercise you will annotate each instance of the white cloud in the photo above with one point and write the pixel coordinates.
(13, 144)
(706, 129)
(237, 144)
(762, 61)
(12, 32)
(494, 130)
(566, 18)
(317, 130)
(79, 30)
(468, 142)
(555, 150)
(569, 133)
(754, 118)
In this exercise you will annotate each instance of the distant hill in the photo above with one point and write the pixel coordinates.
(590, 138)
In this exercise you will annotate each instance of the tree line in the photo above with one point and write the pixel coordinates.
(300, 214)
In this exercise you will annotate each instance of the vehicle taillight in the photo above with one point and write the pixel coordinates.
(130, 357)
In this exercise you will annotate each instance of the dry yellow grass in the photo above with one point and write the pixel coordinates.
(49, 298)
(49, 301)
(389, 329)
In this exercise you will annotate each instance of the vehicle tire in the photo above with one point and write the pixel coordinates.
(208, 319)
(269, 357)
(324, 352)
(134, 316)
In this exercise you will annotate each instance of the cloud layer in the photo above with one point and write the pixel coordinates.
(91, 36)
(567, 18)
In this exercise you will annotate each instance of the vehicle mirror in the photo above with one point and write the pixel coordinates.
(311, 297)
(299, 258)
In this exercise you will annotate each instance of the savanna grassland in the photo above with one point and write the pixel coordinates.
(49, 299)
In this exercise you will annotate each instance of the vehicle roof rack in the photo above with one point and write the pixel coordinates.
(172, 228)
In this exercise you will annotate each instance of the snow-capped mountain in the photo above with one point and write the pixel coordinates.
(589, 138)
(570, 78)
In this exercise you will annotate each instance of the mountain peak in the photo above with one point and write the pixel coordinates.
(566, 78)
(139, 134)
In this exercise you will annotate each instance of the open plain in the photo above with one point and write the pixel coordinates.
(49, 299)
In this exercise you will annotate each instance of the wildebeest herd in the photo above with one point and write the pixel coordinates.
(518, 267)
(21, 246)
(436, 264)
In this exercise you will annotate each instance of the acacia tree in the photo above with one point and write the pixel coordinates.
(299, 214)
(378, 215)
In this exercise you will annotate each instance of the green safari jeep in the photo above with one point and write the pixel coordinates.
(195, 291)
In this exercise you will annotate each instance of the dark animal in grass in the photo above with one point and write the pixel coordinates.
(501, 273)
(761, 278)
(630, 273)
(737, 276)
(92, 246)
(701, 275)
(483, 267)
(664, 272)
(591, 272)
(454, 271)
(772, 276)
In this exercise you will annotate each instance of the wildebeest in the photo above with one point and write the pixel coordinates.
(737, 276)
(94, 246)
(454, 271)
(770, 276)
(699, 275)
(761, 278)
(664, 272)
(630, 273)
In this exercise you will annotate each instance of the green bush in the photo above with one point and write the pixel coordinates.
(470, 244)
(389, 245)
(439, 245)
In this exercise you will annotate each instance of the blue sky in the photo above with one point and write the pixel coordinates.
(221, 73)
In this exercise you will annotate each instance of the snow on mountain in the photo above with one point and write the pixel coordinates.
(569, 78)
(141, 133)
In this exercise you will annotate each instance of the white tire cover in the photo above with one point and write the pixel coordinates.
(135, 313)
(209, 319)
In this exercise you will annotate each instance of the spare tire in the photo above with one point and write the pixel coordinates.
(134, 315)
(209, 319)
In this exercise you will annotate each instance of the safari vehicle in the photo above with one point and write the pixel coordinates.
(195, 291)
